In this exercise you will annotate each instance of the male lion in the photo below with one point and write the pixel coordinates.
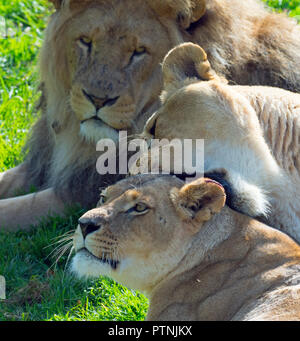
(251, 133)
(100, 72)
(194, 258)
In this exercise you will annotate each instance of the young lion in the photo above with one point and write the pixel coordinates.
(252, 135)
(194, 258)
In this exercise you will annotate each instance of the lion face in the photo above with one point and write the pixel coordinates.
(144, 228)
(108, 55)
(111, 59)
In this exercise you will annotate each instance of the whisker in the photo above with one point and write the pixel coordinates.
(69, 256)
(63, 237)
(59, 241)
(62, 243)
(62, 248)
(64, 234)
(60, 252)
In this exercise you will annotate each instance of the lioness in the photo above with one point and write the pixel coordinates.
(100, 72)
(252, 135)
(195, 258)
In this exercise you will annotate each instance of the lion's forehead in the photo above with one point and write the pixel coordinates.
(139, 185)
(127, 11)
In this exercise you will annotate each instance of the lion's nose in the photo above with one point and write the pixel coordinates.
(88, 226)
(100, 102)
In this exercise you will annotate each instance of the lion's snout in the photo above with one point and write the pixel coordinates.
(88, 226)
(91, 221)
(100, 102)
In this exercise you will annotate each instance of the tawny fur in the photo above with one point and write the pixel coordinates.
(205, 262)
(244, 41)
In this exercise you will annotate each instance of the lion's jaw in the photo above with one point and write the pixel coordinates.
(109, 62)
(133, 250)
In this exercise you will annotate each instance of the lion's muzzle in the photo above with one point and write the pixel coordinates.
(87, 226)
(100, 102)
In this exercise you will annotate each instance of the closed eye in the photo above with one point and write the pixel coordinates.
(86, 42)
(138, 52)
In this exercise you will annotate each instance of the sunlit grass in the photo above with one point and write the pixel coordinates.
(292, 7)
(21, 34)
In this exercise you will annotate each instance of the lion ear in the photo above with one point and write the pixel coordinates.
(196, 11)
(185, 12)
(187, 60)
(57, 3)
(197, 201)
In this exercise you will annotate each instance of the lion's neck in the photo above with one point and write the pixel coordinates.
(231, 273)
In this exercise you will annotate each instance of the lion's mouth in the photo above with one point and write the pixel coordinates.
(95, 118)
(104, 259)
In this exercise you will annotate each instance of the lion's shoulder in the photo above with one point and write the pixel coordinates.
(278, 111)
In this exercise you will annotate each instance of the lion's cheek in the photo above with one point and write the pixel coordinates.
(82, 108)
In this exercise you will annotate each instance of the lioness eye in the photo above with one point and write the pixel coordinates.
(102, 200)
(138, 209)
(141, 207)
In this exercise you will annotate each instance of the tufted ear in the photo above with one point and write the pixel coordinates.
(183, 11)
(57, 3)
(197, 201)
(187, 60)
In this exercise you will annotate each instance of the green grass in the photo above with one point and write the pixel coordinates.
(290, 6)
(21, 33)
(37, 289)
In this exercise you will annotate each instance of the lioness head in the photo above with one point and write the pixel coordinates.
(143, 227)
(105, 57)
(193, 92)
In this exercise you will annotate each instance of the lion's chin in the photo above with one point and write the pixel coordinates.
(85, 265)
(130, 272)
(94, 130)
